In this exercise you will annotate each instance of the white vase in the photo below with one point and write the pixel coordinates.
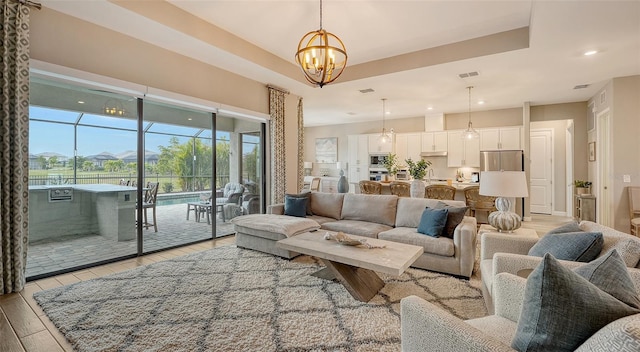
(417, 189)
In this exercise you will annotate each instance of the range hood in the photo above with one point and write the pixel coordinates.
(433, 154)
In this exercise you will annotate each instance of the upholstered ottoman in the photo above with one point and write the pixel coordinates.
(260, 232)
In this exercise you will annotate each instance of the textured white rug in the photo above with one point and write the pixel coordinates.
(231, 299)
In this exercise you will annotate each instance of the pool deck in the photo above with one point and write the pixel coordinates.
(76, 250)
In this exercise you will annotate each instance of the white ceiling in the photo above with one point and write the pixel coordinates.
(544, 72)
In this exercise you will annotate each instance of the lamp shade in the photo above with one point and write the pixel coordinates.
(503, 184)
(308, 165)
(341, 165)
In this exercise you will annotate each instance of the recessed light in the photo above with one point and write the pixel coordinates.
(430, 108)
(190, 119)
(80, 102)
(480, 102)
(590, 52)
(388, 112)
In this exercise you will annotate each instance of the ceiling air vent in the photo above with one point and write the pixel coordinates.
(368, 90)
(581, 86)
(469, 74)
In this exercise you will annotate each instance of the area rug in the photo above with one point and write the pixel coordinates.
(232, 299)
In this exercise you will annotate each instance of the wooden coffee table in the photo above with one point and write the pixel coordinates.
(354, 266)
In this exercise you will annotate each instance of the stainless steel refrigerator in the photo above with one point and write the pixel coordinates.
(507, 160)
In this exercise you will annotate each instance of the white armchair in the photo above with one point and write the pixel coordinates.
(504, 253)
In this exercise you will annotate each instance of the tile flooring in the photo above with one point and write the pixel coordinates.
(76, 250)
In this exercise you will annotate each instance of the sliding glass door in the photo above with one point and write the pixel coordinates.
(115, 176)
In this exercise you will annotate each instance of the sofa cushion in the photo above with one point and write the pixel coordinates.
(321, 219)
(380, 209)
(573, 246)
(327, 204)
(454, 218)
(627, 246)
(260, 224)
(295, 206)
(564, 309)
(356, 227)
(620, 335)
(432, 221)
(495, 326)
(410, 209)
(442, 246)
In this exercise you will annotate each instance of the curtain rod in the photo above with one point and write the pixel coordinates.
(32, 4)
(278, 89)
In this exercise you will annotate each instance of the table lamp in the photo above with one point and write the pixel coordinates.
(343, 185)
(307, 168)
(506, 185)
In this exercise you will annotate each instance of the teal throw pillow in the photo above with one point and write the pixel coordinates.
(573, 246)
(563, 309)
(432, 221)
(306, 195)
(295, 206)
(455, 216)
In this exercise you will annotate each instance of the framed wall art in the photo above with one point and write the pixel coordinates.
(592, 151)
(327, 150)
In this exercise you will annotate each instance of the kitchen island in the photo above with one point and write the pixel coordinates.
(60, 210)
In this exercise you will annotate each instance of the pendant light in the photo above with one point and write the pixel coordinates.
(321, 55)
(470, 132)
(384, 136)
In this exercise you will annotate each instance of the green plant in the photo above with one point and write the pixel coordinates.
(390, 163)
(167, 187)
(418, 169)
(583, 184)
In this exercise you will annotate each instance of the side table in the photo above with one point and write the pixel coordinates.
(486, 228)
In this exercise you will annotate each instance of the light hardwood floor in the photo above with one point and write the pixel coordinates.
(25, 327)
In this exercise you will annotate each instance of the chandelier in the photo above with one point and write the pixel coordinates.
(384, 136)
(114, 107)
(321, 55)
(470, 132)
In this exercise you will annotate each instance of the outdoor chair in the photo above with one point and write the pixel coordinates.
(150, 197)
(229, 189)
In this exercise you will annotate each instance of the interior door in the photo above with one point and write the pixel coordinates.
(541, 172)
(604, 207)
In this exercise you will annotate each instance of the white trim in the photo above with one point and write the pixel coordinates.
(559, 213)
(569, 150)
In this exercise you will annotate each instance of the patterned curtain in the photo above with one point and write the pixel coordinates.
(300, 146)
(278, 175)
(14, 145)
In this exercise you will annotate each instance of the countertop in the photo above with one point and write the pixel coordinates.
(94, 188)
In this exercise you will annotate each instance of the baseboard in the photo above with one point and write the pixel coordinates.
(559, 213)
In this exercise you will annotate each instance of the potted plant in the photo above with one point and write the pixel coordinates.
(391, 164)
(418, 171)
(582, 187)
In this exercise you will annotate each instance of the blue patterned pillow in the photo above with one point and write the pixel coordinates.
(295, 206)
(573, 246)
(433, 221)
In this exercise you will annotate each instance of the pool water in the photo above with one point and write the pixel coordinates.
(179, 200)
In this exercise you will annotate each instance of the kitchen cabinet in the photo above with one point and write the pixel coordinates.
(462, 152)
(377, 147)
(506, 138)
(434, 141)
(408, 146)
(358, 151)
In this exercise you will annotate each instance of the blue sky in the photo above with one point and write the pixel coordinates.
(58, 137)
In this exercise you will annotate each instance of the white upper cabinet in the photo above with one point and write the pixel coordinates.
(462, 152)
(507, 138)
(407, 146)
(434, 141)
(358, 157)
(377, 147)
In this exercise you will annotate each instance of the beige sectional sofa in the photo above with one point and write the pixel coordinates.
(386, 217)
